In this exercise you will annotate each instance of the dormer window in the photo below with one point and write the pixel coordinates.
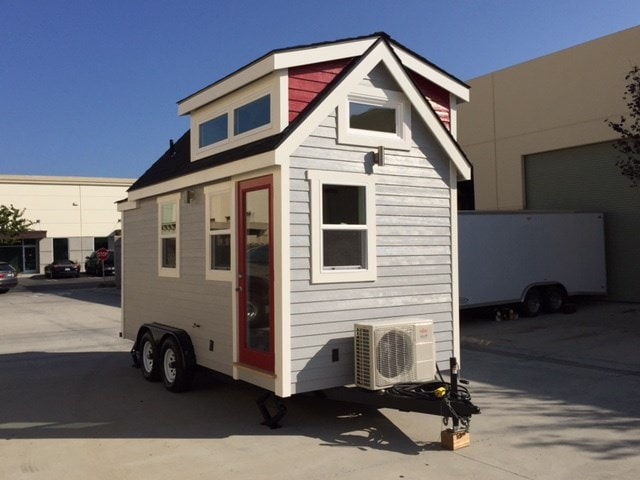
(230, 123)
(214, 131)
(252, 115)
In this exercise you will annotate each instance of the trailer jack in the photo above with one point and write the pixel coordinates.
(267, 401)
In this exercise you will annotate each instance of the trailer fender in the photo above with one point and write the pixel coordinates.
(160, 332)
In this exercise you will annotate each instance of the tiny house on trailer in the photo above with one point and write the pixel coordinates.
(314, 191)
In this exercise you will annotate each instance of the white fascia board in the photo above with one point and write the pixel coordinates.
(322, 53)
(226, 86)
(53, 180)
(276, 61)
(126, 205)
(432, 74)
(380, 53)
(212, 174)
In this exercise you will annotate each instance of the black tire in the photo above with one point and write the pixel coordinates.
(532, 303)
(149, 363)
(176, 376)
(553, 299)
(3, 290)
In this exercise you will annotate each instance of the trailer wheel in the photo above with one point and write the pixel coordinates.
(532, 303)
(149, 358)
(553, 299)
(176, 376)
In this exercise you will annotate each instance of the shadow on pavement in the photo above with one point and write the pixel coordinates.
(98, 395)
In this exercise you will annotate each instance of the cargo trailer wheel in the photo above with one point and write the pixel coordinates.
(148, 358)
(175, 374)
(532, 303)
(553, 299)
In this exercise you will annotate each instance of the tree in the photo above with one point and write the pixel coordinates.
(629, 129)
(12, 223)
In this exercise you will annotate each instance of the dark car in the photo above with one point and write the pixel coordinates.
(8, 277)
(93, 265)
(62, 268)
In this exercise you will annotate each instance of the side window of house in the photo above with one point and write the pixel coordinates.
(342, 227)
(169, 235)
(218, 223)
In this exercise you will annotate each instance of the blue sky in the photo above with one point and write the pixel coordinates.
(89, 87)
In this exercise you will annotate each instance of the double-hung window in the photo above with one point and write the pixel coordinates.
(169, 235)
(218, 221)
(342, 227)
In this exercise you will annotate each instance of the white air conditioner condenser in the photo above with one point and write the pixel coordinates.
(387, 353)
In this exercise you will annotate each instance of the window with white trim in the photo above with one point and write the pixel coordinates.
(343, 230)
(213, 131)
(218, 221)
(375, 117)
(169, 235)
(233, 123)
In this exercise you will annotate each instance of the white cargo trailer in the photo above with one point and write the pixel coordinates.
(533, 259)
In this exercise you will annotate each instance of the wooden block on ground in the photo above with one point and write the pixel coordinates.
(454, 440)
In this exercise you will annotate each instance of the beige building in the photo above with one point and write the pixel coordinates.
(537, 137)
(73, 217)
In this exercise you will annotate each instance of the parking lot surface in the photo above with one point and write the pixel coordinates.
(559, 399)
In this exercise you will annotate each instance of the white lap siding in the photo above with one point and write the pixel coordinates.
(413, 241)
(201, 307)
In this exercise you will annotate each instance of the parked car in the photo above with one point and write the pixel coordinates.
(8, 277)
(93, 265)
(62, 268)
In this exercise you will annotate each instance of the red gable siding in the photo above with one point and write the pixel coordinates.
(307, 81)
(438, 97)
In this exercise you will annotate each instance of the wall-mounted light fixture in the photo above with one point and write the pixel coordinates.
(190, 196)
(379, 156)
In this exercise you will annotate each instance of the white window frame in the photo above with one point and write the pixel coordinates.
(210, 191)
(219, 142)
(246, 101)
(400, 140)
(319, 274)
(166, 200)
(230, 110)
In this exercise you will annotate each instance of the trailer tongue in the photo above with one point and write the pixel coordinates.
(446, 399)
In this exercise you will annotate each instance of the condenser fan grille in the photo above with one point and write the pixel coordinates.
(395, 355)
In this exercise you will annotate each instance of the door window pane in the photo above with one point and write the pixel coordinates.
(258, 271)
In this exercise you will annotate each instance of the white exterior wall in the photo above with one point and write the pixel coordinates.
(414, 257)
(76, 208)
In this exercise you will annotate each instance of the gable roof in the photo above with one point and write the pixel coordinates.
(176, 161)
(317, 53)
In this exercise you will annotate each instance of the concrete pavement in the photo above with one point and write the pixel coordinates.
(558, 397)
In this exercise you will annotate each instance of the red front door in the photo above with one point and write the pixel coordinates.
(255, 272)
